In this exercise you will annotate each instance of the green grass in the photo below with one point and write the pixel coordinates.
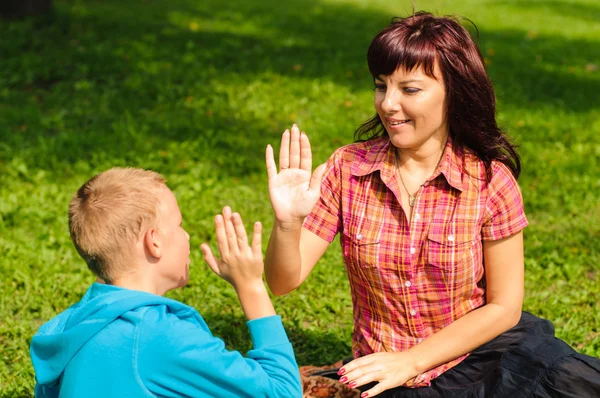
(197, 89)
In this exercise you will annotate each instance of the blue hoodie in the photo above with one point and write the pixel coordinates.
(124, 343)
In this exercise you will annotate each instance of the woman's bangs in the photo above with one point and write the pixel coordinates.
(388, 53)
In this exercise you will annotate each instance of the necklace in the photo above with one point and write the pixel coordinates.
(411, 198)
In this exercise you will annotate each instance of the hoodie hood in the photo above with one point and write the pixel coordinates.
(58, 340)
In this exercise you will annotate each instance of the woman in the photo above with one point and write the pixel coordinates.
(431, 218)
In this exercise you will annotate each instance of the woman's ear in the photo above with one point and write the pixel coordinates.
(153, 243)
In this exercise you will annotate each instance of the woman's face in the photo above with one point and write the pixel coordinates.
(412, 107)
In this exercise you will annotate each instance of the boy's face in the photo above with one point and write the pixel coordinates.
(175, 262)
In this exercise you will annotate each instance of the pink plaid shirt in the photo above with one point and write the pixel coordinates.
(409, 280)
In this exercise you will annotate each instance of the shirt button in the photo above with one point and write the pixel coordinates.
(407, 284)
(359, 236)
(413, 250)
(417, 216)
(413, 312)
(451, 238)
(419, 340)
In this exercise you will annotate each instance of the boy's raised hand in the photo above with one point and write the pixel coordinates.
(240, 264)
(293, 191)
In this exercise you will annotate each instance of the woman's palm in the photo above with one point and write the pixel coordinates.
(293, 190)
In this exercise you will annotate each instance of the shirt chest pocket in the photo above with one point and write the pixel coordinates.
(361, 247)
(450, 245)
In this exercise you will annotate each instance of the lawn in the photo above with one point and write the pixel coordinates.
(197, 89)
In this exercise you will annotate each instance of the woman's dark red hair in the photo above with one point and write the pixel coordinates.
(421, 40)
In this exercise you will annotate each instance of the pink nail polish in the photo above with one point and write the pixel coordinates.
(341, 371)
(343, 379)
(352, 385)
(364, 395)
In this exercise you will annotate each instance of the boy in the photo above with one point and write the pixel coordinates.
(123, 339)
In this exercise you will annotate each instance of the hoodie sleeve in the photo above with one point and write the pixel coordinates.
(183, 356)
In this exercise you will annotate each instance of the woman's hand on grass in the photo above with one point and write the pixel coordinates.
(293, 190)
(387, 369)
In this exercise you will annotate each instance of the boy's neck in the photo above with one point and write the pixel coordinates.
(138, 282)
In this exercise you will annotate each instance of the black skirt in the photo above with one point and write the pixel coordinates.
(525, 361)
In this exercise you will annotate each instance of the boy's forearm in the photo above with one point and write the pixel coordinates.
(255, 300)
(283, 260)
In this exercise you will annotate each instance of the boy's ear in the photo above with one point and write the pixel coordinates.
(153, 242)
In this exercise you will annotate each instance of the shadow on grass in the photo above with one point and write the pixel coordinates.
(104, 83)
(312, 347)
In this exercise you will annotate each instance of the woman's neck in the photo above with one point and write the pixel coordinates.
(420, 163)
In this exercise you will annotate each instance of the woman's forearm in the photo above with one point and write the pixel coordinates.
(292, 253)
(464, 335)
(283, 261)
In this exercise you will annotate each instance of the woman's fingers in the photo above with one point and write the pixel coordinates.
(387, 369)
(376, 390)
(317, 178)
(359, 371)
(367, 376)
(305, 153)
(284, 151)
(294, 162)
(295, 152)
(270, 161)
(353, 368)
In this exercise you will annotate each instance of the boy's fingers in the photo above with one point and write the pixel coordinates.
(257, 240)
(295, 148)
(305, 153)
(284, 151)
(270, 161)
(210, 258)
(232, 243)
(240, 231)
(221, 235)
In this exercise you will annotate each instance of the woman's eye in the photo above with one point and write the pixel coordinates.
(379, 87)
(411, 90)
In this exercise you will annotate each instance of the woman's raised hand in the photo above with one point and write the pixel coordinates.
(294, 190)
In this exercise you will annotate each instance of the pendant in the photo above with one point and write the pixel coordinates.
(411, 200)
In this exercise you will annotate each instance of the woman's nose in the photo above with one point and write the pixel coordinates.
(391, 102)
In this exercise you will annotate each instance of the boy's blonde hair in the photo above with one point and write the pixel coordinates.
(108, 214)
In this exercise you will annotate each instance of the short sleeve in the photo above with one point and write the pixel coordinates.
(325, 218)
(505, 213)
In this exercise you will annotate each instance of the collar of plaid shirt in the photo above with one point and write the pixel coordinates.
(381, 157)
